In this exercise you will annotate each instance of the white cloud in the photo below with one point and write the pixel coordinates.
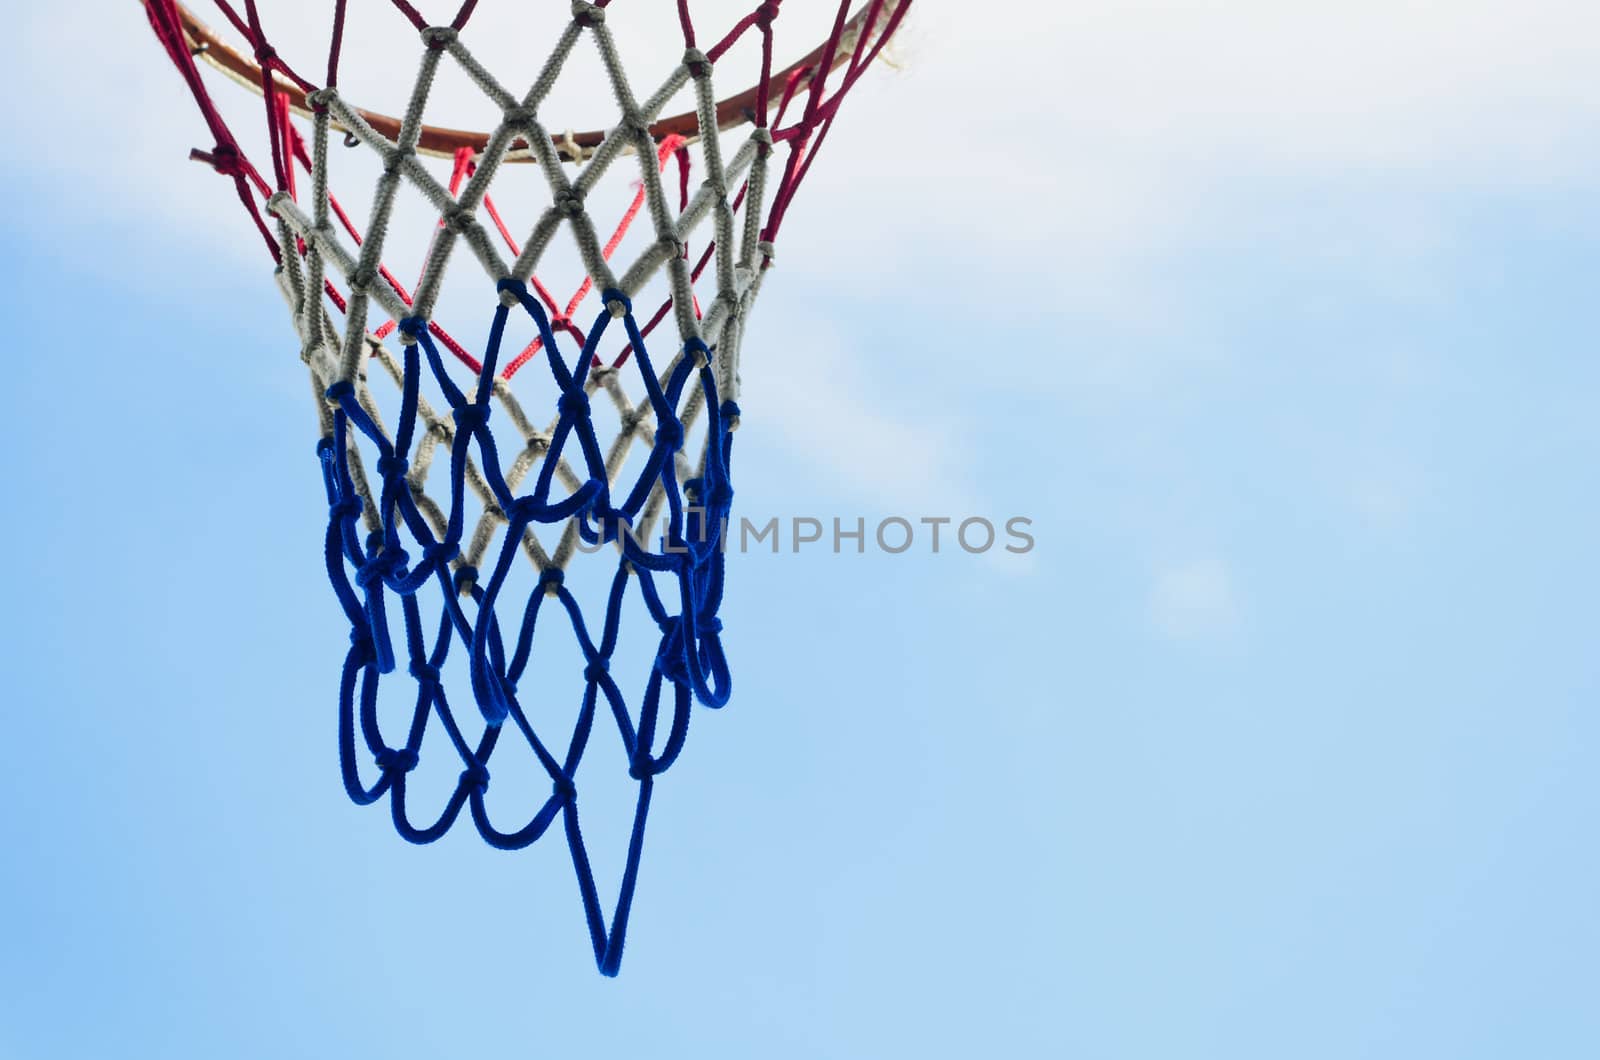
(1061, 133)
(1384, 498)
(1195, 600)
(823, 395)
(1064, 145)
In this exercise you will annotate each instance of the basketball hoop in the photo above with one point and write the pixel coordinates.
(511, 482)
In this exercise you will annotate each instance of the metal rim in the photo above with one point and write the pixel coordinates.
(440, 142)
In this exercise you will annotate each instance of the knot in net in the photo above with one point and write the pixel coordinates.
(462, 492)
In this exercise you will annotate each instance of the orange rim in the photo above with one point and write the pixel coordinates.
(442, 142)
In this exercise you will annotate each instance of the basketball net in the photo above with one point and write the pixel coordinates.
(435, 497)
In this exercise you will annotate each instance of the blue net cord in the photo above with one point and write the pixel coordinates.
(391, 565)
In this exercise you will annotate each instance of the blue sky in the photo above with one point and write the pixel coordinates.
(1280, 743)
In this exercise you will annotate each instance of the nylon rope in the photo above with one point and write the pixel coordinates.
(391, 532)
